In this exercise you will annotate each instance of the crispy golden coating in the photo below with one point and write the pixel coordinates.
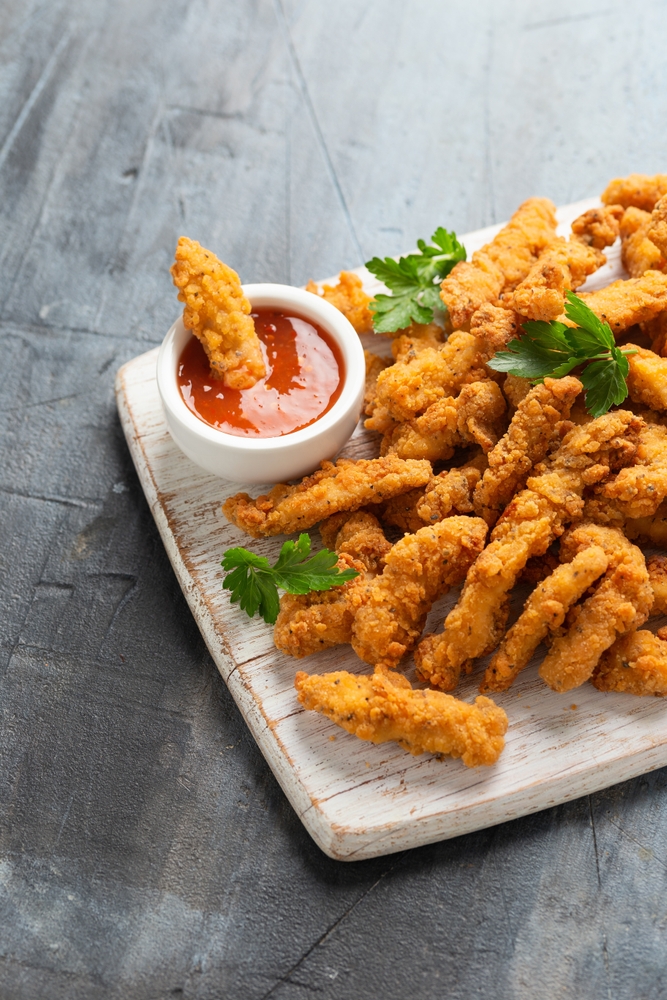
(564, 266)
(384, 707)
(635, 664)
(515, 389)
(620, 604)
(308, 623)
(657, 575)
(658, 231)
(543, 612)
(475, 416)
(418, 569)
(598, 227)
(638, 253)
(494, 326)
(217, 312)
(656, 331)
(638, 190)
(374, 365)
(451, 492)
(349, 297)
(533, 430)
(401, 512)
(647, 379)
(502, 263)
(416, 338)
(652, 529)
(344, 485)
(359, 535)
(532, 520)
(624, 303)
(637, 490)
(420, 378)
(409, 387)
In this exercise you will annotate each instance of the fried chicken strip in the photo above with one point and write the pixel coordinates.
(473, 417)
(344, 485)
(308, 623)
(563, 267)
(637, 190)
(502, 264)
(620, 604)
(624, 303)
(543, 612)
(638, 252)
(420, 379)
(647, 379)
(384, 707)
(652, 529)
(349, 297)
(657, 575)
(635, 664)
(532, 431)
(217, 312)
(418, 569)
(658, 230)
(448, 493)
(451, 491)
(532, 520)
(637, 490)
(598, 227)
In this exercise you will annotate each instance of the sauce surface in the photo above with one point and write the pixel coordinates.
(304, 378)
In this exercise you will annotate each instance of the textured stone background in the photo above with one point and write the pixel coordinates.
(146, 851)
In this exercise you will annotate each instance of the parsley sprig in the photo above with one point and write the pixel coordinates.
(413, 281)
(554, 349)
(254, 583)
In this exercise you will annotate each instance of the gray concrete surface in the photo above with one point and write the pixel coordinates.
(146, 850)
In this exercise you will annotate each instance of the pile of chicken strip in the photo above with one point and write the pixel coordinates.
(487, 480)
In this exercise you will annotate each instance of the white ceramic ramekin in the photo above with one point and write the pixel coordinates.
(274, 459)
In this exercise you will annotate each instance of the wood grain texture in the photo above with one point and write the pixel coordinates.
(146, 850)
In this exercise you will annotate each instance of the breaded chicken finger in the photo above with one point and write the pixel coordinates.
(345, 485)
(563, 267)
(635, 664)
(638, 190)
(502, 263)
(620, 604)
(419, 379)
(472, 417)
(308, 623)
(418, 569)
(533, 429)
(624, 303)
(544, 611)
(598, 227)
(217, 312)
(384, 707)
(532, 520)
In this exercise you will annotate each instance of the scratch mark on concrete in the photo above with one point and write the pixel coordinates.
(33, 98)
(280, 13)
(595, 841)
(329, 931)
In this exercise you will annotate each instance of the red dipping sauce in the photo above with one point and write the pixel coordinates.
(304, 378)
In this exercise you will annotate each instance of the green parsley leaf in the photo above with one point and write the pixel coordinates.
(254, 583)
(414, 282)
(554, 349)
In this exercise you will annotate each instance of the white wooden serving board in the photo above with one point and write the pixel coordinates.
(358, 800)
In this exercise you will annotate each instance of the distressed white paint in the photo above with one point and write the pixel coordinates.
(355, 799)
